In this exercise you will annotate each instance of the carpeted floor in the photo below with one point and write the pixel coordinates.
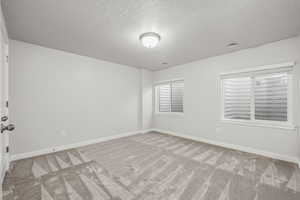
(152, 166)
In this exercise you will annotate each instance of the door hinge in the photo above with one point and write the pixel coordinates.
(7, 149)
(7, 59)
(6, 104)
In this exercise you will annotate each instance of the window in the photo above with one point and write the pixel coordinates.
(169, 97)
(237, 98)
(271, 97)
(262, 96)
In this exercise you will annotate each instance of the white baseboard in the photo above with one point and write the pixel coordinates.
(70, 146)
(146, 130)
(3, 170)
(2, 175)
(233, 146)
(196, 138)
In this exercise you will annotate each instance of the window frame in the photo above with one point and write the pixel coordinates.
(252, 73)
(156, 97)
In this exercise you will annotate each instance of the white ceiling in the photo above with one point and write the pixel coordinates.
(190, 29)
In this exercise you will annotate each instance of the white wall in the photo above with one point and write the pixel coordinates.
(59, 98)
(202, 100)
(146, 85)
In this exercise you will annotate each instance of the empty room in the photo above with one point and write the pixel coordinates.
(150, 99)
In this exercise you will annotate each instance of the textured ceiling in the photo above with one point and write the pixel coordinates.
(190, 29)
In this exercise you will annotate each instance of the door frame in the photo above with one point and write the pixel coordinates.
(5, 70)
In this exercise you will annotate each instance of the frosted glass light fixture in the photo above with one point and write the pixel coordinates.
(150, 39)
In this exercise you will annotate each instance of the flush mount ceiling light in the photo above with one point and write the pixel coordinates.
(150, 39)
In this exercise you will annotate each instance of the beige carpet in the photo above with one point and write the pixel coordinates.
(152, 166)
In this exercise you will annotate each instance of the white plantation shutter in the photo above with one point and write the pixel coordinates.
(259, 95)
(237, 98)
(170, 96)
(164, 97)
(177, 96)
(271, 97)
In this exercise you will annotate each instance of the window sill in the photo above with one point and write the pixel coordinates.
(259, 124)
(169, 113)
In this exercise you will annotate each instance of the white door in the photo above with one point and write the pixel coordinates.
(4, 118)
